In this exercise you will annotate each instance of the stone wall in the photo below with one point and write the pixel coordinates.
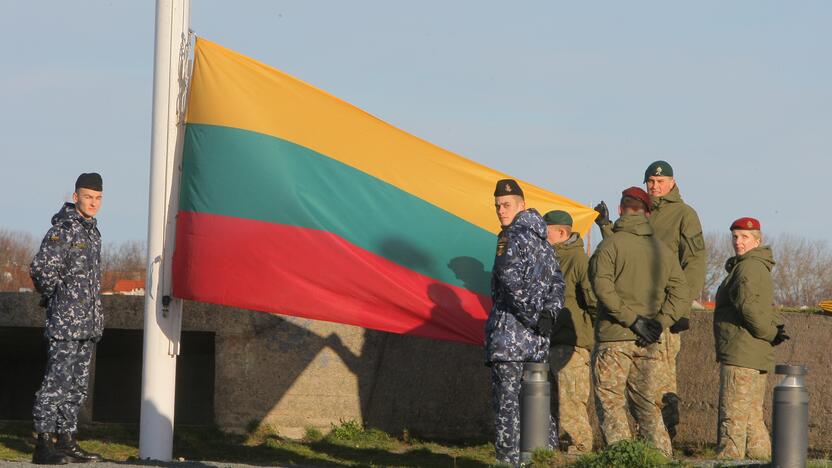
(295, 373)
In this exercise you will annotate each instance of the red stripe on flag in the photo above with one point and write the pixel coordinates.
(315, 274)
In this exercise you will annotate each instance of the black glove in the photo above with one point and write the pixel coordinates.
(603, 214)
(544, 325)
(681, 325)
(44, 301)
(647, 330)
(641, 343)
(781, 335)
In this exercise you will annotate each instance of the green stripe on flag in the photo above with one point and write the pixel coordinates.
(243, 174)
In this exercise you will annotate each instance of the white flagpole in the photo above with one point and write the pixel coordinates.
(163, 314)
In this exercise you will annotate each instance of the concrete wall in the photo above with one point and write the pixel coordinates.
(293, 373)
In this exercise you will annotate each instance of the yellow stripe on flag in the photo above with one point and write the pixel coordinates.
(232, 90)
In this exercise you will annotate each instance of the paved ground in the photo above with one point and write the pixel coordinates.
(185, 464)
(194, 464)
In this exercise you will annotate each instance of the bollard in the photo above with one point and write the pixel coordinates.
(534, 409)
(790, 418)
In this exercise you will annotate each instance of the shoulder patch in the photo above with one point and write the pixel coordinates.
(501, 246)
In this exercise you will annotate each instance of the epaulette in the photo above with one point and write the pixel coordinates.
(67, 224)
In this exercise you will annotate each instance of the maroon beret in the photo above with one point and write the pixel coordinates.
(640, 195)
(746, 224)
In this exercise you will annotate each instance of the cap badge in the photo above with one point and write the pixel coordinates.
(659, 171)
(749, 224)
(508, 187)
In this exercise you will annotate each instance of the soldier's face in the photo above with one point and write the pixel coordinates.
(743, 241)
(659, 186)
(87, 202)
(507, 207)
(556, 233)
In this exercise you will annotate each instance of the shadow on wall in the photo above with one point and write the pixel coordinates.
(403, 381)
(474, 277)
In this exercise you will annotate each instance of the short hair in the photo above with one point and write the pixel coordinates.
(633, 204)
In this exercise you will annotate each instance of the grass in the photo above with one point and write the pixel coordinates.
(345, 444)
(625, 454)
(117, 442)
(798, 310)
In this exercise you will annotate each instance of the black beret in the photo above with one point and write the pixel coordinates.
(507, 187)
(91, 180)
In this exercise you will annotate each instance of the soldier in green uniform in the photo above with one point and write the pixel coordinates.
(641, 290)
(572, 335)
(746, 329)
(678, 226)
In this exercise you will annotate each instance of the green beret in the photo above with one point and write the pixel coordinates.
(658, 168)
(507, 187)
(561, 218)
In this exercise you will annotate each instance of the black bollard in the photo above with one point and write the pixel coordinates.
(534, 409)
(790, 418)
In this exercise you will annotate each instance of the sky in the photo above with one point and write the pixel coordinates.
(576, 97)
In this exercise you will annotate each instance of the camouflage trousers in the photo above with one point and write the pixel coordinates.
(570, 366)
(624, 372)
(741, 430)
(64, 386)
(505, 391)
(667, 396)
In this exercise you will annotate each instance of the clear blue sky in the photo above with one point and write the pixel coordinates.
(576, 97)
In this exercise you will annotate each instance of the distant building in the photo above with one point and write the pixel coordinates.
(129, 287)
(705, 305)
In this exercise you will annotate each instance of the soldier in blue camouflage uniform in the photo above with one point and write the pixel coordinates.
(66, 271)
(527, 292)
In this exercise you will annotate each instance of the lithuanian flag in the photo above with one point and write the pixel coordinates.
(295, 202)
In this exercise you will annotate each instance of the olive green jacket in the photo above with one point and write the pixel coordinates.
(678, 226)
(634, 273)
(574, 326)
(744, 320)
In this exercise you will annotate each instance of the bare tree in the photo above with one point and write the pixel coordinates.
(802, 274)
(122, 261)
(719, 251)
(16, 252)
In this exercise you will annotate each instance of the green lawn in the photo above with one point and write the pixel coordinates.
(347, 444)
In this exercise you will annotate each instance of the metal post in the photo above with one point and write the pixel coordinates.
(535, 392)
(163, 315)
(790, 418)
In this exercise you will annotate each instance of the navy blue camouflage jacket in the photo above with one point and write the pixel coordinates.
(526, 280)
(67, 272)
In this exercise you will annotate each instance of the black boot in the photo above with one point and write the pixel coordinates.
(46, 453)
(69, 446)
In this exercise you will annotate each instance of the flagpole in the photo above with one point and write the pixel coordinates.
(163, 314)
(589, 238)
